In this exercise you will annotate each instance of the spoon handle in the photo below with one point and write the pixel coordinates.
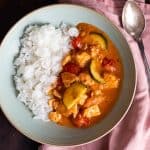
(147, 68)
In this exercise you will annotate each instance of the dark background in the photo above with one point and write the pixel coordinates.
(10, 12)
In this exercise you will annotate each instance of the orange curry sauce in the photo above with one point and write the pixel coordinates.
(88, 86)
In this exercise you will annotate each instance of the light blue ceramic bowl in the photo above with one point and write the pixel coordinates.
(48, 132)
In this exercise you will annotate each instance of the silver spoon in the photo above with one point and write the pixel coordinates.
(134, 23)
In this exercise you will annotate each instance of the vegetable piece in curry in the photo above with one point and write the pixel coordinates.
(89, 82)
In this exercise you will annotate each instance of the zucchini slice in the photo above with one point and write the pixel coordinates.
(100, 39)
(95, 69)
(73, 94)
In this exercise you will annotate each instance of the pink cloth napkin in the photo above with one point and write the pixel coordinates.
(133, 132)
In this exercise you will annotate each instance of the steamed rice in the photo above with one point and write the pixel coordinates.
(38, 64)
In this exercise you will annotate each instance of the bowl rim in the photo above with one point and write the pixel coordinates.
(115, 28)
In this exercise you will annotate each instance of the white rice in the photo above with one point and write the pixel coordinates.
(38, 64)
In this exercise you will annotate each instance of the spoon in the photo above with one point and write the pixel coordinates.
(134, 23)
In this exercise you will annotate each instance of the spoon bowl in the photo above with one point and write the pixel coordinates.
(134, 23)
(133, 19)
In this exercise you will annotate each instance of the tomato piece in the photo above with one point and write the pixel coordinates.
(81, 122)
(109, 64)
(59, 81)
(76, 42)
(72, 68)
(107, 61)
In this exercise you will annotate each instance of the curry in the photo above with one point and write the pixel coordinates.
(89, 83)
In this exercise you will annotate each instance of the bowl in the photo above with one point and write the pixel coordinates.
(48, 132)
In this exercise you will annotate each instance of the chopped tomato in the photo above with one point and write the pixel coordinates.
(109, 64)
(81, 121)
(76, 42)
(72, 68)
(107, 61)
(59, 81)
